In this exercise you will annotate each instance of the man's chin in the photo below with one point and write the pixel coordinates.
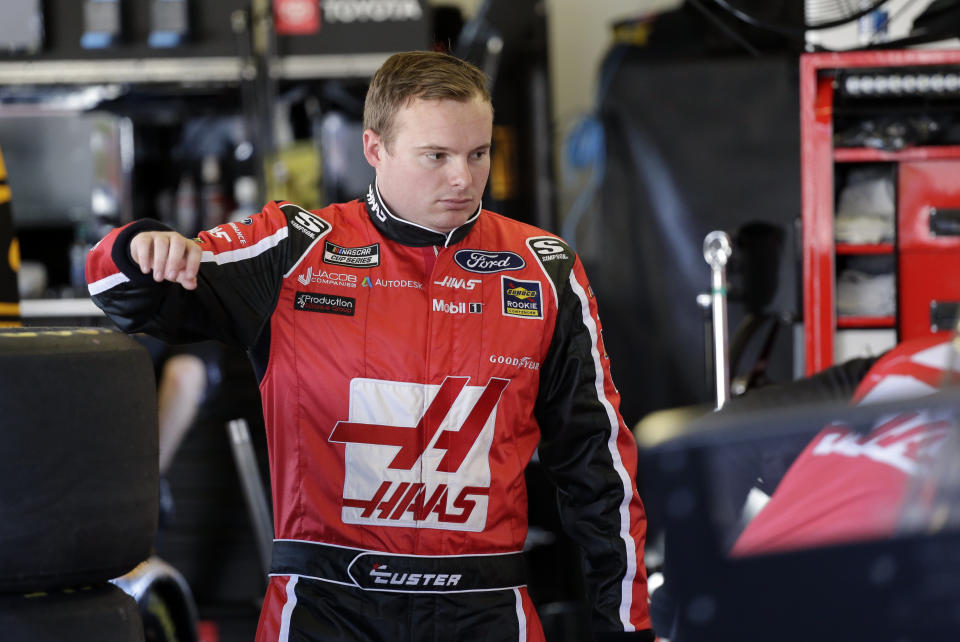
(448, 220)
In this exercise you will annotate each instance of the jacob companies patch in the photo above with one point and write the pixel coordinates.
(521, 298)
(361, 257)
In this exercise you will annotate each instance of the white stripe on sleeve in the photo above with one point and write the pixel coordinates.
(240, 254)
(107, 282)
(287, 611)
(626, 587)
(521, 617)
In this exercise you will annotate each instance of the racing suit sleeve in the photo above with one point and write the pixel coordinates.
(591, 456)
(241, 271)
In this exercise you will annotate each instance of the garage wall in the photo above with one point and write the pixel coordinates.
(579, 37)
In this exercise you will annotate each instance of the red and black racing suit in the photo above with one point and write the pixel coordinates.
(407, 378)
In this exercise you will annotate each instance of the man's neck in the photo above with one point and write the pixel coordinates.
(407, 232)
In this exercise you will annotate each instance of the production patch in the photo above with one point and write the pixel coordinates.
(521, 298)
(326, 303)
(361, 257)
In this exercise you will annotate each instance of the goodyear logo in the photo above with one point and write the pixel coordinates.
(522, 298)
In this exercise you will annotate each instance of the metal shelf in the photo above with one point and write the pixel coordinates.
(50, 308)
(853, 249)
(847, 322)
(211, 69)
(867, 154)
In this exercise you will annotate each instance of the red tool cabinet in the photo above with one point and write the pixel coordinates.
(924, 251)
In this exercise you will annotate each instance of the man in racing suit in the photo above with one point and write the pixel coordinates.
(413, 350)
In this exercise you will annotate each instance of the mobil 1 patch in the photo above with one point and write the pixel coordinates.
(361, 257)
(521, 299)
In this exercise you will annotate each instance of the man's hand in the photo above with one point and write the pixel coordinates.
(169, 255)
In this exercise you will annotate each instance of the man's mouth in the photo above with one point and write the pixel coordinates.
(456, 202)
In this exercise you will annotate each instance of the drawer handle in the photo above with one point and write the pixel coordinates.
(943, 315)
(944, 222)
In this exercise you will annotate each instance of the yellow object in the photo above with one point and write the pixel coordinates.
(13, 255)
(503, 163)
(9, 294)
(293, 174)
(633, 32)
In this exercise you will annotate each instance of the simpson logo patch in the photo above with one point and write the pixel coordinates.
(549, 249)
(308, 223)
(327, 303)
(522, 298)
(361, 257)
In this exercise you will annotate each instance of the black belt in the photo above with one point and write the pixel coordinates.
(375, 571)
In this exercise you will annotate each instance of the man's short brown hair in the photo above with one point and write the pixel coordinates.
(418, 74)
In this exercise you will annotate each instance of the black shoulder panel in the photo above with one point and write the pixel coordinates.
(555, 257)
(306, 228)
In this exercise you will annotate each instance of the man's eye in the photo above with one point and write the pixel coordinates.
(480, 155)
(435, 156)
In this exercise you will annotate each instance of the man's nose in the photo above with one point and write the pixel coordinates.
(460, 175)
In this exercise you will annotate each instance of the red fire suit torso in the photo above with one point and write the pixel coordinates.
(407, 377)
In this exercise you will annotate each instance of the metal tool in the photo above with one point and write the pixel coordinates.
(253, 489)
(716, 251)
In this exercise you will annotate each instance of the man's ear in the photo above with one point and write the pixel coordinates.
(373, 147)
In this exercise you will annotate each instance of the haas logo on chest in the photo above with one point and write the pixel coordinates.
(406, 466)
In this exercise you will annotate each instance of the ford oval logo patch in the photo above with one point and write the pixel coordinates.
(483, 262)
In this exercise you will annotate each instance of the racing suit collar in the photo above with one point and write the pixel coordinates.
(407, 233)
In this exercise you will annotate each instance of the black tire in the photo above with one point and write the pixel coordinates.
(166, 602)
(102, 613)
(78, 462)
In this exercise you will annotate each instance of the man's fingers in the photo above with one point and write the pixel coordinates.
(141, 251)
(187, 280)
(191, 265)
(175, 259)
(186, 265)
(170, 256)
(161, 252)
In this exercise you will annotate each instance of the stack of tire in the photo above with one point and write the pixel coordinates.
(78, 482)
